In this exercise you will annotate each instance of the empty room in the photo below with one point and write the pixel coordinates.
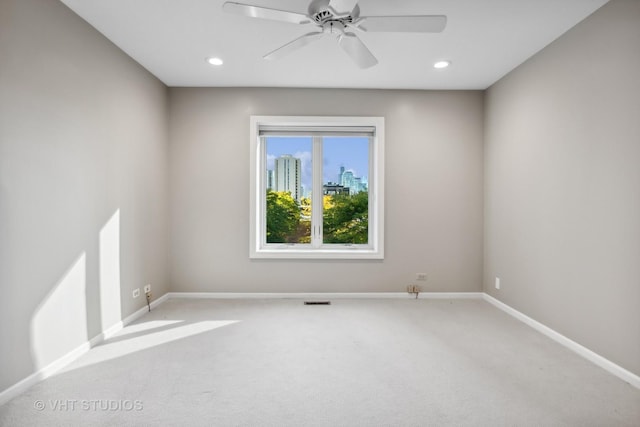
(320, 213)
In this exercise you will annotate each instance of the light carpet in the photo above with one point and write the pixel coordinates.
(352, 363)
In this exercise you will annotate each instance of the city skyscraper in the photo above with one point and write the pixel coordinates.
(348, 180)
(287, 175)
(270, 183)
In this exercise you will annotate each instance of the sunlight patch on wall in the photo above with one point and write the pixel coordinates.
(110, 307)
(59, 323)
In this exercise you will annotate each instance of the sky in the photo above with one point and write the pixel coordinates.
(350, 152)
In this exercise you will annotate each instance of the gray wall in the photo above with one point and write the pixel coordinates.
(434, 201)
(86, 189)
(562, 206)
(83, 184)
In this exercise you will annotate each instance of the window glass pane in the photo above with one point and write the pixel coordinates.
(345, 190)
(288, 187)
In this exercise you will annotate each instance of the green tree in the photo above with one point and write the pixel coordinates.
(346, 219)
(303, 233)
(283, 217)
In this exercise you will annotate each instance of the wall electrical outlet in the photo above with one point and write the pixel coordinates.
(136, 292)
(147, 289)
(421, 276)
(497, 283)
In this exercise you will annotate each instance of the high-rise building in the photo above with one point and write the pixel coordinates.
(270, 183)
(287, 175)
(355, 184)
(349, 180)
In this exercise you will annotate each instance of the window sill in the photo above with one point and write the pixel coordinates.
(282, 252)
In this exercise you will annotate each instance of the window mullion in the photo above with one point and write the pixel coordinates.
(262, 191)
(371, 189)
(316, 204)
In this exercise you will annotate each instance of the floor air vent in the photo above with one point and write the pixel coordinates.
(317, 303)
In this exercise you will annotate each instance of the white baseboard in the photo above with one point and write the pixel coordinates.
(144, 310)
(325, 295)
(56, 365)
(450, 295)
(24, 384)
(593, 357)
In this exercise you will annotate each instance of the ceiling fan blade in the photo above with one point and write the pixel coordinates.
(265, 13)
(293, 45)
(354, 47)
(404, 24)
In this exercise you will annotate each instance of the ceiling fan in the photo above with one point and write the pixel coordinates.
(338, 18)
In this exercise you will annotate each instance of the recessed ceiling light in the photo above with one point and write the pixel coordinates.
(215, 61)
(441, 64)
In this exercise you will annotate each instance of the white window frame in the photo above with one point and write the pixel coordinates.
(258, 248)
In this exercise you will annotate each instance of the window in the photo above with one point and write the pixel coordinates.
(317, 187)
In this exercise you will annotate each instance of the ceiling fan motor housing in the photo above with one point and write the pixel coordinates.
(321, 12)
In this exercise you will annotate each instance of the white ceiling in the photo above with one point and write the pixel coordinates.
(484, 39)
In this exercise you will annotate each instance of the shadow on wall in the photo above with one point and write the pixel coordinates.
(60, 322)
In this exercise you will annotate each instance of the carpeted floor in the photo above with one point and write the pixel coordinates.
(353, 363)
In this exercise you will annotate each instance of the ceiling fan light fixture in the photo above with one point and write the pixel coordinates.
(441, 64)
(215, 61)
